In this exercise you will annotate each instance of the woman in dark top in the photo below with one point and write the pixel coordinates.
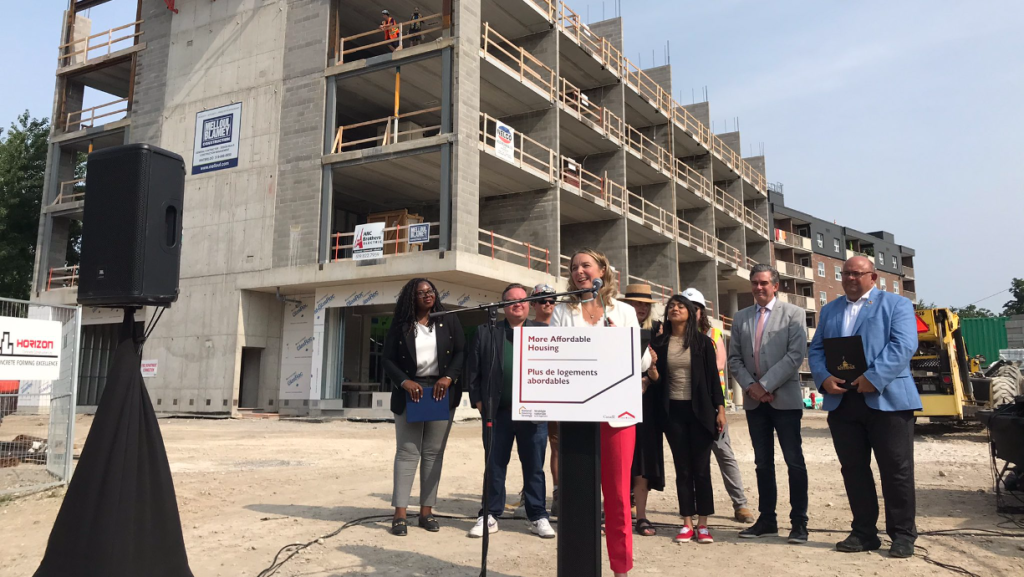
(421, 352)
(693, 411)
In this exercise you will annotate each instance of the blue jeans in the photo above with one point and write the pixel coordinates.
(764, 422)
(532, 441)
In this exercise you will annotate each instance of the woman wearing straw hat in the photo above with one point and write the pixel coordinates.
(648, 454)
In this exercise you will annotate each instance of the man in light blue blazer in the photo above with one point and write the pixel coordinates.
(876, 411)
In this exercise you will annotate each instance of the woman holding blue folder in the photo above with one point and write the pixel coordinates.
(423, 359)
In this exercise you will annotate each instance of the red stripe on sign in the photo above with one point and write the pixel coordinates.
(522, 338)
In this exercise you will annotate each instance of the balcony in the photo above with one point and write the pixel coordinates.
(810, 333)
(692, 181)
(908, 272)
(910, 295)
(529, 165)
(794, 241)
(730, 255)
(390, 130)
(755, 222)
(500, 247)
(806, 303)
(657, 225)
(86, 118)
(647, 162)
(71, 191)
(863, 254)
(372, 42)
(728, 204)
(597, 63)
(396, 242)
(590, 196)
(645, 96)
(62, 277)
(85, 51)
(794, 271)
(584, 119)
(534, 83)
(699, 242)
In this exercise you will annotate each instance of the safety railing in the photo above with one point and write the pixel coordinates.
(392, 133)
(868, 256)
(798, 300)
(756, 222)
(87, 117)
(792, 240)
(726, 154)
(70, 191)
(689, 123)
(695, 237)
(753, 176)
(517, 61)
(728, 203)
(694, 180)
(396, 241)
(640, 82)
(659, 291)
(793, 270)
(648, 150)
(910, 295)
(651, 214)
(729, 253)
(726, 322)
(107, 44)
(590, 185)
(597, 46)
(546, 7)
(528, 153)
(573, 100)
(62, 277)
(908, 272)
(346, 45)
(511, 250)
(751, 263)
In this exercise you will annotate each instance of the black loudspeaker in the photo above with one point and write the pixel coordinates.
(131, 227)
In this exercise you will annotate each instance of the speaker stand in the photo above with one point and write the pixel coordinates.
(579, 521)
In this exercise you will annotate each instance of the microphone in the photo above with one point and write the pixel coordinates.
(598, 283)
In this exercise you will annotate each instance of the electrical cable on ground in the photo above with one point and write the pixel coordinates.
(296, 548)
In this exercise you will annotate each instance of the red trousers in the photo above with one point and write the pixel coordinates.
(616, 462)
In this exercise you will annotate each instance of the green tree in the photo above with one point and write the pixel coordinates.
(921, 305)
(22, 166)
(972, 312)
(1016, 306)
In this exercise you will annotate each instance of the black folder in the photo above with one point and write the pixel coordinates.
(844, 358)
(427, 409)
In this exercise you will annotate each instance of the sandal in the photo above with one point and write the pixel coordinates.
(429, 523)
(399, 527)
(645, 528)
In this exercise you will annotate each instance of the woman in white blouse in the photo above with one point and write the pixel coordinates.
(617, 439)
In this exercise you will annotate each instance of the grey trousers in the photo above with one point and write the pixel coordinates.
(419, 444)
(722, 448)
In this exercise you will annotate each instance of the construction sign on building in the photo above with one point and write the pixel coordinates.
(29, 349)
(217, 137)
(368, 241)
(504, 141)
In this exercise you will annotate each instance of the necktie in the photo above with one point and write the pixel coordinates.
(757, 339)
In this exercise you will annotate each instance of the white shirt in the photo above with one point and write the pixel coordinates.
(767, 314)
(426, 351)
(618, 312)
(852, 310)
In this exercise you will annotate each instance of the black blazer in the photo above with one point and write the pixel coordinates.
(400, 359)
(484, 361)
(704, 383)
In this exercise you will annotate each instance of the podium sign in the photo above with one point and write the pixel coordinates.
(577, 374)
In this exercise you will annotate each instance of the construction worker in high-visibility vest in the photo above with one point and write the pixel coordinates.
(392, 30)
(722, 447)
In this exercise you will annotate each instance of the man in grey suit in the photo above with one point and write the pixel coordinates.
(769, 341)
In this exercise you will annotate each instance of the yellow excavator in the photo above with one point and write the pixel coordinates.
(951, 384)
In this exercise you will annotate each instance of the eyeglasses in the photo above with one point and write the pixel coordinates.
(546, 302)
(424, 294)
(855, 273)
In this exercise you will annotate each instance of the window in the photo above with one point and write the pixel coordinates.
(821, 269)
(821, 240)
(881, 258)
(823, 298)
(881, 279)
(896, 286)
(895, 263)
(839, 273)
(835, 244)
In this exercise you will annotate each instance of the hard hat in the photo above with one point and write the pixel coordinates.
(694, 296)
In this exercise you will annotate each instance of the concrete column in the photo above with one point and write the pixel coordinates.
(466, 101)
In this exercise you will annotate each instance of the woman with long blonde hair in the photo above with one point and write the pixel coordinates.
(617, 439)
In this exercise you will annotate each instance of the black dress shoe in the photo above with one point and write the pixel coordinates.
(429, 523)
(798, 535)
(901, 549)
(854, 544)
(399, 527)
(759, 529)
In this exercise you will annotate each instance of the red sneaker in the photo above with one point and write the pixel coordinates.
(685, 535)
(704, 535)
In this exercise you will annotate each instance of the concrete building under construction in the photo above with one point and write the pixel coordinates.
(509, 130)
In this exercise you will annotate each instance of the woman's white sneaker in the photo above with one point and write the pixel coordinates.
(478, 529)
(542, 528)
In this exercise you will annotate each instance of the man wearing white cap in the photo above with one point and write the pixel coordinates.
(722, 448)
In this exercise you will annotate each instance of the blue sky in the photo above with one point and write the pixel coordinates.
(904, 116)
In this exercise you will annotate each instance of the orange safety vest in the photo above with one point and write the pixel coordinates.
(716, 334)
(392, 30)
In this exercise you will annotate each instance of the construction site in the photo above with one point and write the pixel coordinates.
(487, 141)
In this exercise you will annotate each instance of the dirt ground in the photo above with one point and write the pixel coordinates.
(248, 487)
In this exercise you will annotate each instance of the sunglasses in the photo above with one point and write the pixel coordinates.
(546, 302)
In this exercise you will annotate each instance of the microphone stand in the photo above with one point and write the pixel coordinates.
(489, 408)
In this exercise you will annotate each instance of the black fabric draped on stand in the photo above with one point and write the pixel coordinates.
(120, 515)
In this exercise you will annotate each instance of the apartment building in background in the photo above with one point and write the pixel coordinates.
(488, 138)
